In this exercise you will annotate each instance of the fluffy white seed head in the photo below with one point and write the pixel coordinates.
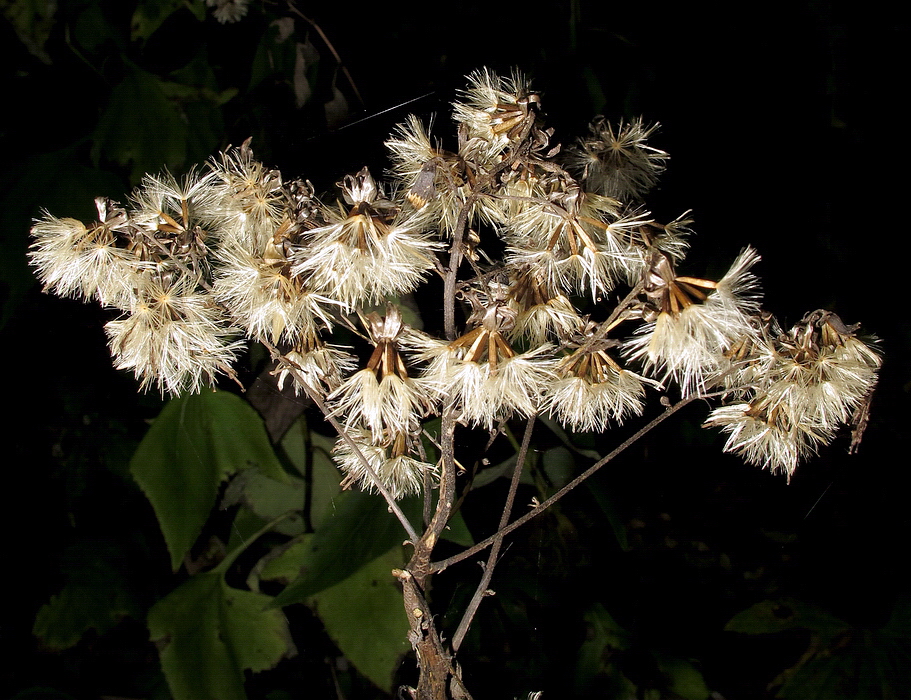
(402, 474)
(81, 262)
(688, 345)
(321, 366)
(617, 161)
(174, 337)
(269, 303)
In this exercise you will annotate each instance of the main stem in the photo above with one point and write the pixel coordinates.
(438, 677)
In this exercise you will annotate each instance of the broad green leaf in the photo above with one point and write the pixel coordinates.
(141, 127)
(195, 89)
(851, 662)
(245, 526)
(265, 498)
(860, 664)
(288, 565)
(564, 437)
(771, 616)
(96, 595)
(82, 606)
(594, 668)
(147, 121)
(268, 499)
(559, 466)
(194, 444)
(504, 469)
(359, 530)
(610, 509)
(365, 617)
(457, 531)
(683, 679)
(32, 21)
(149, 16)
(275, 53)
(296, 560)
(311, 455)
(208, 634)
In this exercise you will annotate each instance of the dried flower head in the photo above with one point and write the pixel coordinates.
(319, 365)
(815, 378)
(617, 161)
(228, 11)
(369, 251)
(400, 472)
(541, 314)
(252, 194)
(578, 242)
(593, 389)
(436, 182)
(79, 261)
(382, 397)
(495, 112)
(696, 321)
(267, 300)
(174, 336)
(480, 371)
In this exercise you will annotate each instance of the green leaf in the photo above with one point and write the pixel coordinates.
(195, 444)
(208, 634)
(850, 662)
(359, 530)
(611, 510)
(288, 565)
(149, 16)
(771, 616)
(457, 531)
(141, 127)
(365, 617)
(32, 21)
(96, 595)
(311, 454)
(559, 466)
(594, 664)
(268, 499)
(683, 679)
(275, 53)
(82, 606)
(564, 437)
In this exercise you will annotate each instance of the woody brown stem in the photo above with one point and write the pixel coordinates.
(436, 670)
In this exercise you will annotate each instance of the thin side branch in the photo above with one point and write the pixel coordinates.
(436, 567)
(493, 557)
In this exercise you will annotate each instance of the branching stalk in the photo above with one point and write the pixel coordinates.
(444, 564)
(482, 590)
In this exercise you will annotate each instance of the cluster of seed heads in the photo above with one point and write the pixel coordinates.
(236, 250)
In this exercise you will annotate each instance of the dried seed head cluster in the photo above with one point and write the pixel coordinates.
(695, 321)
(370, 248)
(617, 161)
(480, 372)
(593, 389)
(384, 407)
(152, 263)
(811, 380)
(237, 249)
